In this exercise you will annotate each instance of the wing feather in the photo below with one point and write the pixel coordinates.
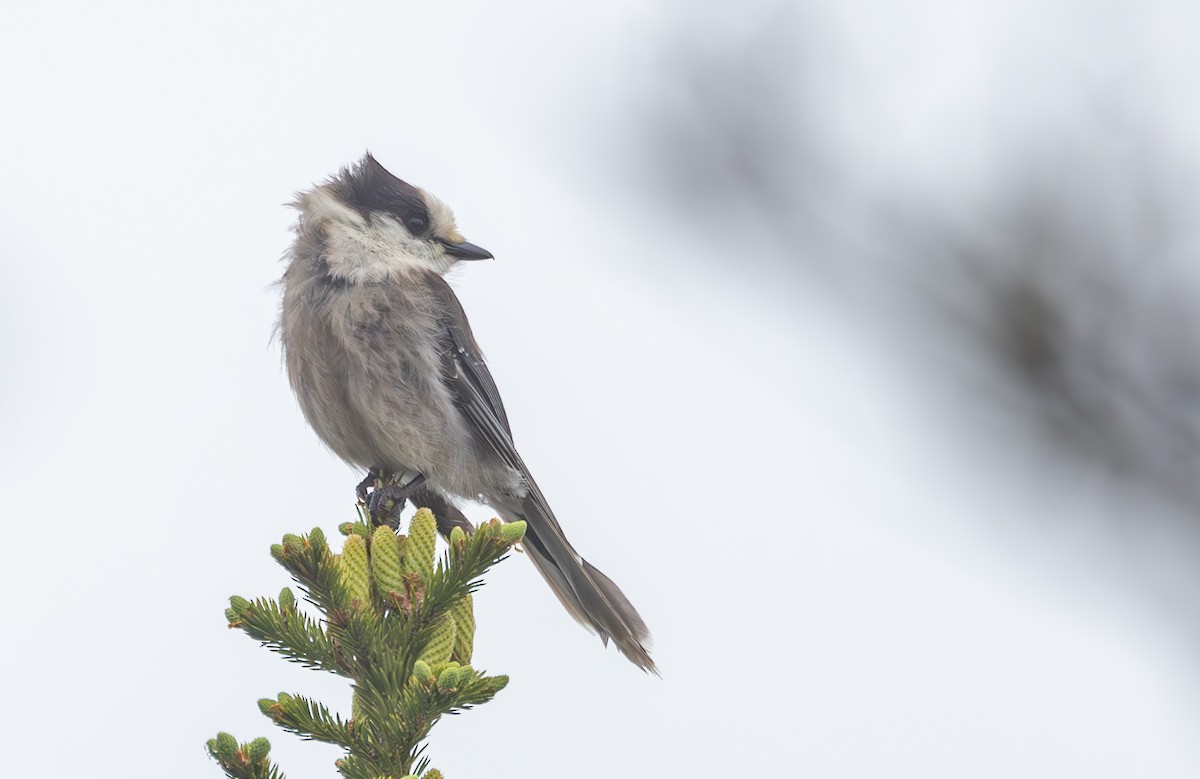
(590, 596)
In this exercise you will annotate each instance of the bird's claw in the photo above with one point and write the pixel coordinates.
(374, 480)
(386, 498)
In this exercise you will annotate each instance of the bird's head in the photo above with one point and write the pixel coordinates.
(371, 226)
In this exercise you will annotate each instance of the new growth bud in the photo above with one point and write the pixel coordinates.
(441, 642)
(422, 541)
(386, 570)
(354, 571)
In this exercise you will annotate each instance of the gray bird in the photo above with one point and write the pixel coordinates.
(381, 357)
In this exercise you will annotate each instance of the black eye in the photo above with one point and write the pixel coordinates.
(415, 224)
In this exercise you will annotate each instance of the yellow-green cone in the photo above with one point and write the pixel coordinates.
(353, 568)
(355, 528)
(385, 562)
(441, 643)
(448, 678)
(422, 539)
(512, 532)
(465, 674)
(237, 607)
(464, 629)
(258, 749)
(224, 746)
(423, 673)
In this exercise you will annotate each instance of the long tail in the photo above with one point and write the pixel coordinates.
(588, 595)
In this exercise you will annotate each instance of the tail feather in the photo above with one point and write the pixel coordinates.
(589, 596)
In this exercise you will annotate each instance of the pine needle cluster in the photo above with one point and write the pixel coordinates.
(395, 620)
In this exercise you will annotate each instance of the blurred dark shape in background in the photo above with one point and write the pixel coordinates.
(1071, 274)
(1058, 289)
(728, 137)
(1076, 277)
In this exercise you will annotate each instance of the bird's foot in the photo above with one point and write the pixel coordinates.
(375, 479)
(387, 499)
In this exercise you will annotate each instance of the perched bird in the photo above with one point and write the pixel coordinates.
(383, 362)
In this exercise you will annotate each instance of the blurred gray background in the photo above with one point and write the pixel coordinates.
(857, 341)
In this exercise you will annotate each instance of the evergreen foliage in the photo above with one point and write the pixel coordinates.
(395, 620)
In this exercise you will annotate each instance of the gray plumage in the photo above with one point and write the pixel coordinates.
(388, 373)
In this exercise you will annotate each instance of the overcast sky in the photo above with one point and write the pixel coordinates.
(835, 587)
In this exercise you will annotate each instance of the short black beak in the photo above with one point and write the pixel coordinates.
(466, 251)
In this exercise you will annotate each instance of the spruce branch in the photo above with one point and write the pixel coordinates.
(282, 628)
(396, 620)
(243, 761)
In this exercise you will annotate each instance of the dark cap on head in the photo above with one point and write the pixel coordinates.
(369, 188)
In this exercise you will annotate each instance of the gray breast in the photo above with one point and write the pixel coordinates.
(317, 366)
(366, 363)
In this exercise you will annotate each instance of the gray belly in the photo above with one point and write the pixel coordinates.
(367, 370)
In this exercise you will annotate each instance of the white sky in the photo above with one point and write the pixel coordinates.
(834, 591)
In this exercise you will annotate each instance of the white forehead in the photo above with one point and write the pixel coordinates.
(441, 218)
